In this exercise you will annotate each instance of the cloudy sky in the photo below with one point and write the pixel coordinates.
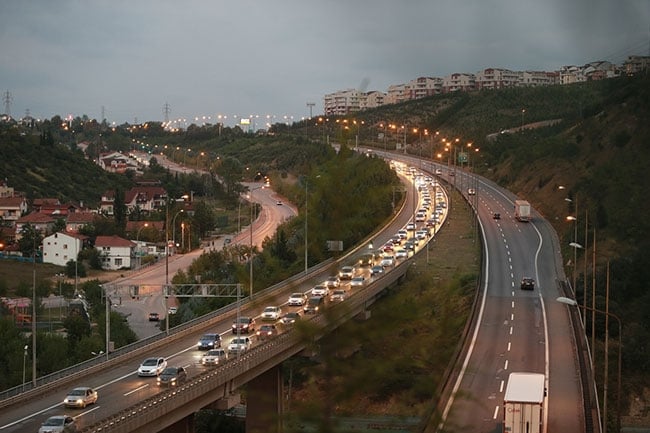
(270, 58)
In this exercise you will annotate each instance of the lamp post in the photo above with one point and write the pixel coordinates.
(607, 313)
(174, 226)
(137, 242)
(24, 364)
(34, 314)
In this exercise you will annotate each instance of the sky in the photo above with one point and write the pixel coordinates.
(129, 59)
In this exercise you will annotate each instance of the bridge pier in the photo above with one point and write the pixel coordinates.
(264, 405)
(186, 425)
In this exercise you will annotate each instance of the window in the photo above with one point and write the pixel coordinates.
(118, 262)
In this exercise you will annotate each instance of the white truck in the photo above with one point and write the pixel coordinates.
(523, 403)
(522, 210)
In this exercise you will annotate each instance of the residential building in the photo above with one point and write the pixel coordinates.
(75, 221)
(422, 87)
(373, 99)
(538, 78)
(41, 222)
(458, 83)
(496, 78)
(396, 94)
(60, 248)
(143, 198)
(342, 102)
(116, 162)
(636, 64)
(116, 252)
(12, 208)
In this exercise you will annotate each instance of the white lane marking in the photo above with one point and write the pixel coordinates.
(509, 345)
(496, 412)
(503, 382)
(135, 390)
(505, 365)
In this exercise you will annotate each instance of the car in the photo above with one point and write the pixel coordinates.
(366, 260)
(388, 261)
(358, 281)
(496, 215)
(267, 331)
(471, 191)
(58, 424)
(209, 341)
(396, 240)
(388, 247)
(403, 234)
(172, 310)
(338, 295)
(314, 305)
(290, 318)
(420, 217)
(438, 171)
(243, 325)
(401, 253)
(80, 397)
(346, 273)
(239, 345)
(152, 366)
(410, 244)
(214, 357)
(376, 270)
(271, 313)
(422, 234)
(154, 317)
(410, 226)
(297, 299)
(172, 376)
(527, 283)
(279, 203)
(320, 290)
(333, 282)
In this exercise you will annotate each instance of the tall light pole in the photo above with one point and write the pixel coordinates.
(24, 364)
(137, 242)
(607, 313)
(174, 226)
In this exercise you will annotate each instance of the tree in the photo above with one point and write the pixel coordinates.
(231, 172)
(119, 210)
(30, 240)
(204, 218)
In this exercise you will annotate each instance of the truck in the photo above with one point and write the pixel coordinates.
(522, 210)
(523, 403)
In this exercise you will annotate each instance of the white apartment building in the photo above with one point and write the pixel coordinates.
(422, 87)
(342, 103)
(537, 78)
(458, 82)
(60, 248)
(372, 99)
(396, 93)
(496, 78)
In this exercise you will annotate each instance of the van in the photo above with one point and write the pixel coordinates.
(314, 305)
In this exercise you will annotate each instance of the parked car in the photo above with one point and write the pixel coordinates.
(154, 317)
(271, 313)
(209, 341)
(338, 295)
(239, 345)
(172, 376)
(346, 273)
(527, 283)
(152, 366)
(267, 331)
(358, 281)
(320, 290)
(214, 357)
(290, 318)
(297, 299)
(58, 424)
(243, 325)
(80, 397)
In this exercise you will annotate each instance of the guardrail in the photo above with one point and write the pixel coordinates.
(278, 349)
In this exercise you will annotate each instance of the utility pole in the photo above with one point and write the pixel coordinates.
(310, 105)
(7, 99)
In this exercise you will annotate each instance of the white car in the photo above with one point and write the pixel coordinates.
(471, 191)
(239, 345)
(172, 310)
(320, 290)
(80, 397)
(401, 254)
(152, 366)
(297, 299)
(358, 281)
(271, 313)
(58, 424)
(388, 261)
(214, 357)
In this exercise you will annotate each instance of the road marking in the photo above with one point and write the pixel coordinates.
(505, 365)
(136, 390)
(496, 412)
(509, 345)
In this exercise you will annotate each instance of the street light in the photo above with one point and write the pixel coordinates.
(174, 226)
(137, 243)
(574, 303)
(24, 364)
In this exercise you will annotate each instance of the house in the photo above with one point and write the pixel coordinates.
(75, 221)
(116, 252)
(116, 162)
(144, 198)
(60, 248)
(12, 208)
(40, 221)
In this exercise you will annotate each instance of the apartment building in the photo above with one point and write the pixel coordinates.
(396, 93)
(422, 87)
(496, 78)
(372, 99)
(342, 103)
(458, 82)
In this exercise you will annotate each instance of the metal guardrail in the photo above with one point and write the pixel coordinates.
(281, 347)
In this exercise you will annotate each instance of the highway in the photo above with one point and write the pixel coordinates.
(120, 388)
